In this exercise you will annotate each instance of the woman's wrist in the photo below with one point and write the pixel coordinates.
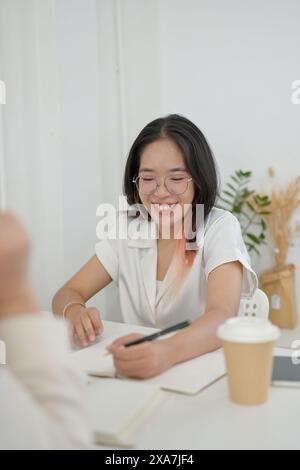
(172, 353)
(72, 306)
(182, 343)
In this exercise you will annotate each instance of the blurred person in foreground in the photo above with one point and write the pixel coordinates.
(41, 396)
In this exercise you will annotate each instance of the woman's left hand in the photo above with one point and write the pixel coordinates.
(142, 360)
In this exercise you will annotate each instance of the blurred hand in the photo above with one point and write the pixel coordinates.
(14, 251)
(143, 360)
(85, 324)
(15, 292)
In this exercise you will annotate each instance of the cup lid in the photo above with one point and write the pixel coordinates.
(248, 330)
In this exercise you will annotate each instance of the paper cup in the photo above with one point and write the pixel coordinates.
(248, 347)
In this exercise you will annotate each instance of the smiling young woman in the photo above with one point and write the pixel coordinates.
(170, 171)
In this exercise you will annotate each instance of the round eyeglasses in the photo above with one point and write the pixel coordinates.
(174, 184)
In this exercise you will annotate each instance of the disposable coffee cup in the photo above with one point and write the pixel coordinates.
(248, 347)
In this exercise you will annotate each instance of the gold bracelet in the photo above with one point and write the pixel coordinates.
(68, 305)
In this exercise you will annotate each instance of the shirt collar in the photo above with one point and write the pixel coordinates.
(141, 232)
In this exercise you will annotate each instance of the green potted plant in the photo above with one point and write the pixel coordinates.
(248, 206)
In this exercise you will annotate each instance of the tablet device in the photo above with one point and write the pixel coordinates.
(285, 372)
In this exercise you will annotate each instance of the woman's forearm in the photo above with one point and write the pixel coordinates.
(199, 338)
(63, 297)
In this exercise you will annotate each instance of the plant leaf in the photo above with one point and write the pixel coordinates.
(250, 206)
(253, 248)
(225, 200)
(236, 180)
(263, 224)
(231, 187)
(264, 213)
(253, 238)
(229, 194)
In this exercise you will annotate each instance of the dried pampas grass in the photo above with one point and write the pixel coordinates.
(284, 202)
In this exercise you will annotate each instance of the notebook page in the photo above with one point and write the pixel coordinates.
(93, 361)
(192, 376)
(188, 377)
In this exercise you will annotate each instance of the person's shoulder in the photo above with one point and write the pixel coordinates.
(219, 217)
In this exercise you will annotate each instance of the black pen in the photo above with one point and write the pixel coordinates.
(153, 336)
(163, 332)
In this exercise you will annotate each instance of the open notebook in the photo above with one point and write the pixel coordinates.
(116, 408)
(189, 377)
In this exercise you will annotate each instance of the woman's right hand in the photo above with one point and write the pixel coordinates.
(85, 324)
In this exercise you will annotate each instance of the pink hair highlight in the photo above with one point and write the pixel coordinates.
(184, 260)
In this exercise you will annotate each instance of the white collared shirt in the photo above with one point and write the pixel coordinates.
(132, 264)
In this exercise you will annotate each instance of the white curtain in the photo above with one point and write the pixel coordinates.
(74, 92)
(31, 140)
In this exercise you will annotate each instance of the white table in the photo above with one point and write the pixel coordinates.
(210, 421)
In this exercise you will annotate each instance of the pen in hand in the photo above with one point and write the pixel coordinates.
(156, 335)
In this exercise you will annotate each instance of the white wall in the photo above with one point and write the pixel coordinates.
(84, 76)
(229, 67)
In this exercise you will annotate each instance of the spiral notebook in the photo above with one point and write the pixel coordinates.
(188, 377)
